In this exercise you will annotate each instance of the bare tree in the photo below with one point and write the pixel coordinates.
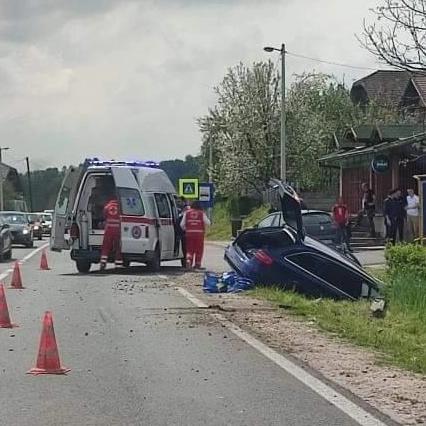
(398, 35)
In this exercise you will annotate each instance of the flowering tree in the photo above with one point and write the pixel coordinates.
(243, 128)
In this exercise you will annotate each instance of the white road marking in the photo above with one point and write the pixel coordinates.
(348, 407)
(23, 260)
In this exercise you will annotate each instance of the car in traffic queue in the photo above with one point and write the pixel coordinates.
(148, 213)
(20, 228)
(46, 221)
(286, 257)
(5, 240)
(36, 222)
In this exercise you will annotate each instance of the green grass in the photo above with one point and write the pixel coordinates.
(399, 338)
(221, 224)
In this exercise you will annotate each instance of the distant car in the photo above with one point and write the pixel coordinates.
(35, 220)
(316, 223)
(47, 222)
(284, 256)
(5, 241)
(20, 228)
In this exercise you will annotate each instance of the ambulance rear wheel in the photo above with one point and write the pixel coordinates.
(83, 266)
(155, 263)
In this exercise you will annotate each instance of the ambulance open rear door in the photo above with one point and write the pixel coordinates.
(62, 214)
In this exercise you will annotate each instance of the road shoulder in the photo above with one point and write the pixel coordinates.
(399, 394)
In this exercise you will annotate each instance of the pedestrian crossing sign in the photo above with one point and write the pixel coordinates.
(188, 188)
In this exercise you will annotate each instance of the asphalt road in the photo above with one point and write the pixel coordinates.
(140, 354)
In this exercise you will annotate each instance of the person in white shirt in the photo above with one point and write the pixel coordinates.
(412, 208)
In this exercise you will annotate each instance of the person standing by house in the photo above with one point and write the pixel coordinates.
(412, 209)
(368, 208)
(400, 204)
(341, 218)
(194, 223)
(387, 215)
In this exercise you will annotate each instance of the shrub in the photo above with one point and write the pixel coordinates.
(406, 258)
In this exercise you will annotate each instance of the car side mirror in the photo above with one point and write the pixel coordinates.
(5, 226)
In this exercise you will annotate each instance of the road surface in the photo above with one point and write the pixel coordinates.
(140, 353)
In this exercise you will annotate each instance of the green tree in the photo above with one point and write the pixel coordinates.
(179, 169)
(243, 128)
(317, 106)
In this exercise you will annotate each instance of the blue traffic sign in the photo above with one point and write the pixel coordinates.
(206, 194)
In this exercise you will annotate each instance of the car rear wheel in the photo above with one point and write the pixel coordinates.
(83, 266)
(8, 254)
(30, 245)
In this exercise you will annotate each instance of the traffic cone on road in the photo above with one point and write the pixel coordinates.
(48, 357)
(16, 277)
(43, 262)
(4, 311)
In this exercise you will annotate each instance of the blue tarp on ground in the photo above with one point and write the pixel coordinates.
(228, 282)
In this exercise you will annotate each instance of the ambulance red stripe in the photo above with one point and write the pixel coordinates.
(138, 219)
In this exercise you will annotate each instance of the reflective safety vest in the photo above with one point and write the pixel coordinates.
(112, 214)
(194, 221)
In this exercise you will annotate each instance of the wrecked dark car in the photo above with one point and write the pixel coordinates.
(283, 256)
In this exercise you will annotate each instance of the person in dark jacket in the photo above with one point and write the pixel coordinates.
(386, 215)
(368, 208)
(394, 213)
(401, 214)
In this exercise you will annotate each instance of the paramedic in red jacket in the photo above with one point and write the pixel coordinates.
(112, 234)
(194, 223)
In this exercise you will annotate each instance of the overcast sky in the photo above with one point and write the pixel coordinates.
(127, 79)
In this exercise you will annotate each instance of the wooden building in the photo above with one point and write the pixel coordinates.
(385, 156)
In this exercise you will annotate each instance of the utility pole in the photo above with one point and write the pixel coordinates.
(1, 177)
(283, 169)
(209, 212)
(283, 111)
(30, 191)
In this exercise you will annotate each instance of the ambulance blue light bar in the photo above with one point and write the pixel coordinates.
(96, 162)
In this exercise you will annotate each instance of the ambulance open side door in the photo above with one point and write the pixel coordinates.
(62, 215)
(134, 236)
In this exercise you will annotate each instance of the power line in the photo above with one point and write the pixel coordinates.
(329, 62)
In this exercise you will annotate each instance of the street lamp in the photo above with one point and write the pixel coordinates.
(1, 176)
(283, 171)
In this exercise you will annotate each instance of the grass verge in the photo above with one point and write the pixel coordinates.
(398, 339)
(221, 223)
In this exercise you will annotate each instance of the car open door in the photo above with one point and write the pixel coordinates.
(62, 215)
(133, 233)
(290, 206)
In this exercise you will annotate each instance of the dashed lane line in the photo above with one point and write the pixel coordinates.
(361, 416)
(23, 260)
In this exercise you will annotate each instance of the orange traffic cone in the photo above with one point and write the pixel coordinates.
(48, 356)
(16, 277)
(43, 262)
(4, 311)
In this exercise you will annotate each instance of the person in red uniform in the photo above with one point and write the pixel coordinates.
(341, 218)
(112, 234)
(194, 223)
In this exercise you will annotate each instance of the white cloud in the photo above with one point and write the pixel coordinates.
(126, 79)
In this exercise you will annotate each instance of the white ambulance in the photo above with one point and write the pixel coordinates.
(149, 228)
